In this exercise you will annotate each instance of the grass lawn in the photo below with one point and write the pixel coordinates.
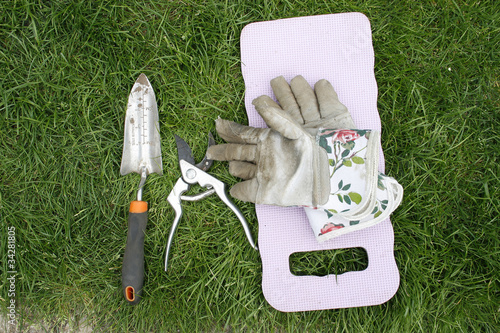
(66, 69)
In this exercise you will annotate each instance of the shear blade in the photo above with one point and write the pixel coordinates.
(206, 163)
(185, 153)
(183, 150)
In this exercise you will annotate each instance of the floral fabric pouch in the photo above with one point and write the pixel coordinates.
(360, 196)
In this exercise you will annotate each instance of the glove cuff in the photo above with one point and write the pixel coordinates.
(321, 177)
(327, 225)
(360, 196)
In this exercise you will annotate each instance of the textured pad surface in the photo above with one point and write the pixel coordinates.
(336, 47)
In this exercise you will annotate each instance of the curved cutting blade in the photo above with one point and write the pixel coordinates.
(183, 150)
(185, 153)
(206, 163)
(141, 144)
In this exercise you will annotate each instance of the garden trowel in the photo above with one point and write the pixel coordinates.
(141, 154)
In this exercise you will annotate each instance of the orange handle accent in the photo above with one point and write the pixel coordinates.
(138, 207)
(130, 294)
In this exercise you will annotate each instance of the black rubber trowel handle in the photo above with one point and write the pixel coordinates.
(133, 259)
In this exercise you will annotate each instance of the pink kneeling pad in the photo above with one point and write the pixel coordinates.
(336, 47)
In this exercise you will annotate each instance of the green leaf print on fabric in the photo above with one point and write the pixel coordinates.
(341, 146)
(348, 145)
(324, 144)
(347, 199)
(380, 182)
(347, 163)
(358, 160)
(356, 197)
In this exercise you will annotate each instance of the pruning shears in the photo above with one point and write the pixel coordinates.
(196, 174)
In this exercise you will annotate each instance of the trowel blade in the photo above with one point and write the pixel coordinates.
(141, 144)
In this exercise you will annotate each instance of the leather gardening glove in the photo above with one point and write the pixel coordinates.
(311, 155)
(283, 165)
(360, 196)
(322, 115)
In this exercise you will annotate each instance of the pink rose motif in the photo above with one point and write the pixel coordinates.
(326, 132)
(330, 227)
(345, 136)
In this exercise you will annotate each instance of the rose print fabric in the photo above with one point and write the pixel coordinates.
(353, 158)
(360, 196)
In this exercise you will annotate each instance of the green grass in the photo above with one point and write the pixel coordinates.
(66, 68)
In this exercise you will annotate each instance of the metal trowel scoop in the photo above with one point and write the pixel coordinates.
(142, 155)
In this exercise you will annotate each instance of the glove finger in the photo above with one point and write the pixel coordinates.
(233, 132)
(286, 98)
(243, 170)
(245, 191)
(328, 100)
(232, 152)
(306, 99)
(277, 119)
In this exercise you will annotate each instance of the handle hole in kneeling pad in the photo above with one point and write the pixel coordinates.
(326, 262)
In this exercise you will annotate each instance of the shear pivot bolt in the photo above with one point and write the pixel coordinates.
(191, 173)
